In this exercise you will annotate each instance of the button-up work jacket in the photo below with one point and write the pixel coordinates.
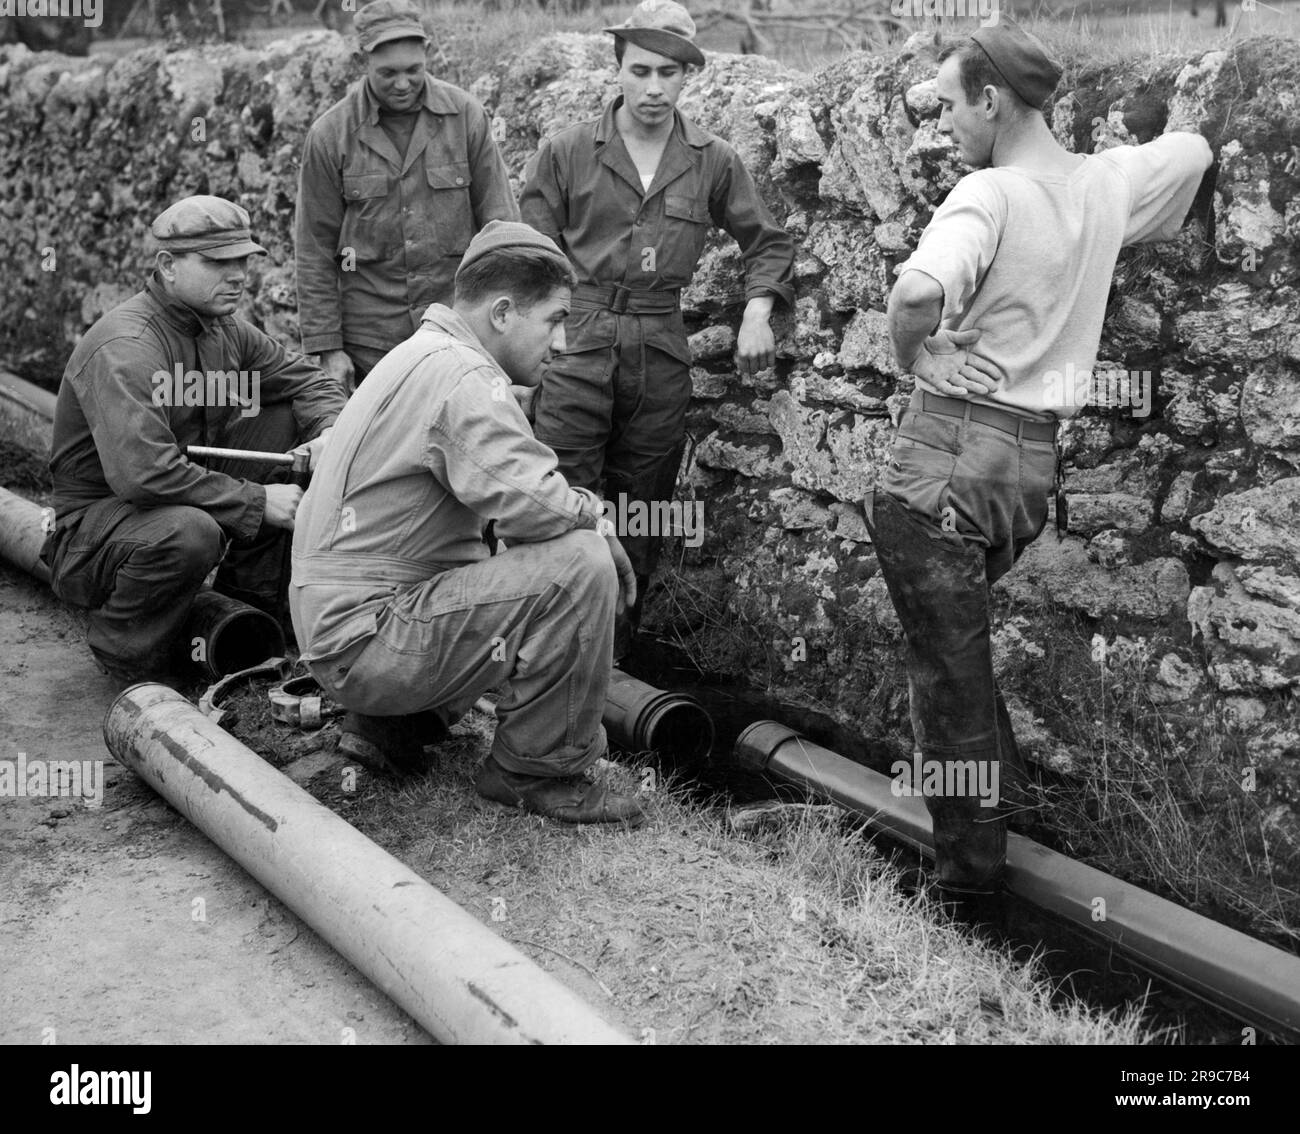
(582, 189)
(120, 429)
(378, 237)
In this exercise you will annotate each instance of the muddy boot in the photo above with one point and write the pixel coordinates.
(983, 912)
(570, 799)
(391, 746)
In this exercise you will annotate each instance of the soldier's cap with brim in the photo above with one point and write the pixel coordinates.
(663, 27)
(212, 226)
(386, 20)
(1021, 59)
(500, 235)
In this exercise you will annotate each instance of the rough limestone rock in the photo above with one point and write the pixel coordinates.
(1198, 482)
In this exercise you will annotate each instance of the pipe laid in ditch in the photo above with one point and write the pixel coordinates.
(640, 718)
(225, 635)
(457, 978)
(1254, 981)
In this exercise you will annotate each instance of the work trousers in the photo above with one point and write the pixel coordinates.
(138, 569)
(536, 621)
(958, 503)
(614, 410)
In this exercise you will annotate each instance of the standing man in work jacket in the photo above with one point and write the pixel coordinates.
(403, 616)
(997, 313)
(629, 196)
(396, 179)
(137, 527)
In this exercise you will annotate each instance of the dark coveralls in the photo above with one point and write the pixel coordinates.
(137, 526)
(379, 234)
(613, 405)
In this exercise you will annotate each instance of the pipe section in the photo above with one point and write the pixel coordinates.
(1252, 980)
(22, 535)
(227, 636)
(640, 717)
(457, 978)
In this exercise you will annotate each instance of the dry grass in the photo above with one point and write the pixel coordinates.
(685, 932)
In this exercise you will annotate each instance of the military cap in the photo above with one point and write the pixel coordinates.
(211, 225)
(385, 20)
(1021, 59)
(663, 27)
(498, 235)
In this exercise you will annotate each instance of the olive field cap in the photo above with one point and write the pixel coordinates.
(211, 225)
(385, 20)
(498, 235)
(663, 27)
(1021, 59)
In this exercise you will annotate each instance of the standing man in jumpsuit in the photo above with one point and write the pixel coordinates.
(629, 196)
(396, 179)
(1004, 295)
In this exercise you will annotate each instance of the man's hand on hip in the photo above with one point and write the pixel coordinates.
(281, 505)
(945, 363)
(338, 366)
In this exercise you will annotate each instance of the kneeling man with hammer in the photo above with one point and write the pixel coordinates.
(403, 615)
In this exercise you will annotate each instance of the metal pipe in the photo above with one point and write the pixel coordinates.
(457, 978)
(640, 718)
(22, 534)
(26, 414)
(227, 635)
(214, 452)
(1254, 981)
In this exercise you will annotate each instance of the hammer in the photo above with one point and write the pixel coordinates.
(300, 475)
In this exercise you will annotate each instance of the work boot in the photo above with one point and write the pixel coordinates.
(983, 912)
(570, 799)
(392, 746)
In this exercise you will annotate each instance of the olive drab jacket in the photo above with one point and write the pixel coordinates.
(582, 189)
(378, 237)
(124, 413)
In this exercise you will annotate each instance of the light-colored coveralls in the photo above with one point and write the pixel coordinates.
(395, 600)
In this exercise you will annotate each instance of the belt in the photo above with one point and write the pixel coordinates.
(1019, 427)
(620, 299)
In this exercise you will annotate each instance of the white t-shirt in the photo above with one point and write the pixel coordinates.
(1028, 257)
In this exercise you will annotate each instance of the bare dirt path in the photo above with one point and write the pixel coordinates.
(122, 923)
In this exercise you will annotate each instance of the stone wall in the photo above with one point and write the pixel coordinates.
(1184, 519)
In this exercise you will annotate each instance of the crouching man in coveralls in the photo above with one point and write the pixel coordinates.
(403, 616)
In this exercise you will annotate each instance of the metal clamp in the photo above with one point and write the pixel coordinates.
(300, 703)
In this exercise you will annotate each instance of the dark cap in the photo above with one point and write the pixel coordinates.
(211, 225)
(386, 20)
(1021, 59)
(498, 235)
(663, 27)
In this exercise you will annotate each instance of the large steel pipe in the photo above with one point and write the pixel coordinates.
(1254, 981)
(450, 972)
(22, 534)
